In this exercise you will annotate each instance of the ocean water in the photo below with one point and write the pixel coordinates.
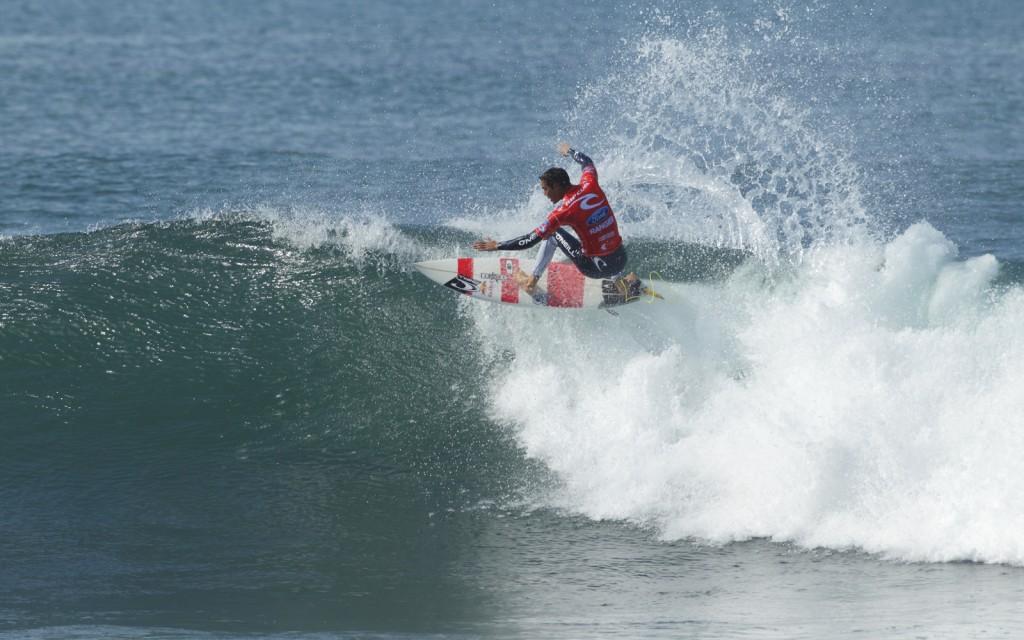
(229, 408)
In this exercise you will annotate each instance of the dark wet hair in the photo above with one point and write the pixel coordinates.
(556, 177)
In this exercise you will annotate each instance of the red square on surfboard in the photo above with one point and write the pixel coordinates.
(509, 286)
(565, 285)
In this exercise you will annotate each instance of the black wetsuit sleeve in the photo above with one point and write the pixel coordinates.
(520, 243)
(580, 157)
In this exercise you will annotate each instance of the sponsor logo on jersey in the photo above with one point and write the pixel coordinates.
(597, 228)
(586, 202)
(598, 216)
(591, 201)
(600, 227)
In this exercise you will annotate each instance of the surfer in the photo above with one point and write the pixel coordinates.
(596, 249)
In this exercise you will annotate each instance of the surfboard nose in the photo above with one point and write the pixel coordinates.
(437, 270)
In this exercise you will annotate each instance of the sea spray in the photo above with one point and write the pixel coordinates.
(695, 143)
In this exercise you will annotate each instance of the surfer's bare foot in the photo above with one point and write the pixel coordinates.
(527, 282)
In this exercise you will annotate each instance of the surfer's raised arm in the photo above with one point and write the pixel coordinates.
(580, 157)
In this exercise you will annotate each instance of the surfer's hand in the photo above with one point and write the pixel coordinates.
(531, 284)
(485, 245)
(563, 148)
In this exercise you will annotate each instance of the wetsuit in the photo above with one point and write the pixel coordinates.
(596, 249)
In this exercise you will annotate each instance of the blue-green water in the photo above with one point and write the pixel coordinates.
(229, 408)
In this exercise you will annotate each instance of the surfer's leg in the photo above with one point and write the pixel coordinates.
(547, 250)
(571, 247)
(610, 266)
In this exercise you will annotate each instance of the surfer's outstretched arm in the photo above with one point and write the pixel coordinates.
(515, 244)
(518, 244)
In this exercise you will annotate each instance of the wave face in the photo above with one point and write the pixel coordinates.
(147, 360)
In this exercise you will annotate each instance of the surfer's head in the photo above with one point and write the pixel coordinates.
(554, 183)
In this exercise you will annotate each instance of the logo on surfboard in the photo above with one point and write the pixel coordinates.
(462, 284)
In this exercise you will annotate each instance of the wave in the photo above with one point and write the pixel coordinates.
(865, 398)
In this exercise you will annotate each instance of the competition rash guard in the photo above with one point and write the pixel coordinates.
(584, 209)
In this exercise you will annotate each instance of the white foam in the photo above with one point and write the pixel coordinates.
(366, 237)
(872, 400)
(360, 235)
(505, 223)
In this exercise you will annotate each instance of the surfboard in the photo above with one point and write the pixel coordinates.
(503, 279)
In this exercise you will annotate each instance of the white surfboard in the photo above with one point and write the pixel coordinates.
(503, 280)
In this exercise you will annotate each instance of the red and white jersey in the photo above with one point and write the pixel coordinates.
(586, 210)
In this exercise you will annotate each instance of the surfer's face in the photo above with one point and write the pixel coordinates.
(552, 191)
